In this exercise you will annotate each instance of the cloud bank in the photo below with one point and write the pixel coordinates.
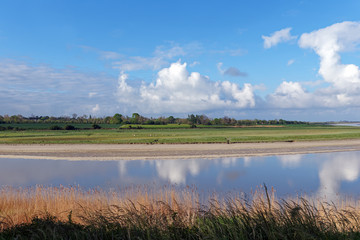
(42, 90)
(178, 91)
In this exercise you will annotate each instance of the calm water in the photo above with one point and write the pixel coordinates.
(313, 174)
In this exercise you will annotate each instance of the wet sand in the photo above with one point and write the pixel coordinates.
(170, 151)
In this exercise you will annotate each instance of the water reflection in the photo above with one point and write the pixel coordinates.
(313, 174)
(290, 161)
(338, 169)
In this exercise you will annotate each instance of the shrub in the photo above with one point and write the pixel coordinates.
(95, 126)
(69, 127)
(56, 127)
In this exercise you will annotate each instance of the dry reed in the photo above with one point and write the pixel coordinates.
(145, 207)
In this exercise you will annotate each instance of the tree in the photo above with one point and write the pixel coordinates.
(135, 118)
(170, 119)
(116, 119)
(192, 119)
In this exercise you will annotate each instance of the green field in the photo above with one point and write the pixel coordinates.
(160, 134)
(44, 126)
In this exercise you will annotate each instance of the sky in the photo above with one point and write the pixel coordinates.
(281, 59)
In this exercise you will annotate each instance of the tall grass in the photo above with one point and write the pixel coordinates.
(169, 213)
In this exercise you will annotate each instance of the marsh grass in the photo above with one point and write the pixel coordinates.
(169, 213)
(179, 135)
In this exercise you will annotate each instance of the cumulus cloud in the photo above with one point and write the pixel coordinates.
(231, 71)
(328, 43)
(277, 37)
(289, 95)
(343, 80)
(178, 91)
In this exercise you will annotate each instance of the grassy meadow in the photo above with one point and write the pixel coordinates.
(166, 213)
(165, 134)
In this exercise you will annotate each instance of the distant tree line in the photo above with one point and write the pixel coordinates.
(138, 119)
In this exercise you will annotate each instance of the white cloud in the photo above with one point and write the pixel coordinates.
(178, 91)
(328, 43)
(96, 109)
(290, 62)
(277, 37)
(40, 89)
(160, 58)
(343, 80)
(290, 95)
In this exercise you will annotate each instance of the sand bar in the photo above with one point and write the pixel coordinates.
(170, 151)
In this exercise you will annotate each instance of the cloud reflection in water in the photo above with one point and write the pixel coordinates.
(176, 170)
(339, 168)
(321, 174)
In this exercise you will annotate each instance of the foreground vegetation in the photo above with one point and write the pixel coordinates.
(141, 134)
(149, 213)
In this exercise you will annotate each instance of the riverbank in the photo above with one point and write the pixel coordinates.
(171, 151)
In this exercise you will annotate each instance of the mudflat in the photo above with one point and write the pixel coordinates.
(170, 151)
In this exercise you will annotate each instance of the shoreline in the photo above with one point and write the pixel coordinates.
(78, 152)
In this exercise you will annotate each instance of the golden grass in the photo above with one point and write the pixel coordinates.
(20, 205)
(151, 206)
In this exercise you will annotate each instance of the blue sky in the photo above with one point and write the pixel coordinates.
(243, 59)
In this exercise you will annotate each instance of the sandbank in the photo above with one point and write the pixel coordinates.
(170, 151)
